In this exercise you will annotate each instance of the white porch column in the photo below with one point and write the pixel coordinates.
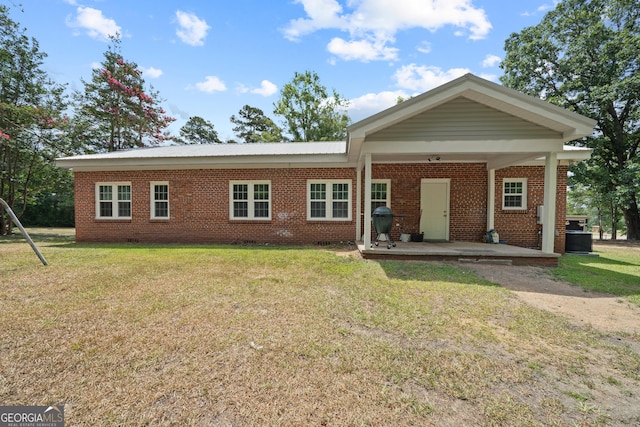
(491, 199)
(367, 201)
(549, 211)
(359, 202)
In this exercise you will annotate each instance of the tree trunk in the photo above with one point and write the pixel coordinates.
(632, 221)
(614, 221)
(600, 230)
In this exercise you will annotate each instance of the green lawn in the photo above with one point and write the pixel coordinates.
(229, 335)
(615, 270)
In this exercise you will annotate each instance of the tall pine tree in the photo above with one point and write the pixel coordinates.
(30, 119)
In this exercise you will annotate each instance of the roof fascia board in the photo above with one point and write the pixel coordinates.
(440, 147)
(117, 168)
(522, 106)
(201, 162)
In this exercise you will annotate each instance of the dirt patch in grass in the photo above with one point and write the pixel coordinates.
(537, 287)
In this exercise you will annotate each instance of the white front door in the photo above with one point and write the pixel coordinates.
(434, 207)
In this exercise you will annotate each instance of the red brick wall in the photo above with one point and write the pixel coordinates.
(520, 228)
(468, 195)
(199, 205)
(199, 208)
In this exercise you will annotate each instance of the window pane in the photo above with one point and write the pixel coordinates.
(124, 192)
(340, 209)
(161, 209)
(261, 210)
(241, 209)
(161, 192)
(261, 192)
(124, 209)
(318, 209)
(240, 192)
(513, 201)
(318, 191)
(379, 191)
(513, 188)
(106, 192)
(106, 209)
(340, 191)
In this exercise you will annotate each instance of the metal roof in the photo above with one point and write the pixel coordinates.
(223, 150)
(269, 154)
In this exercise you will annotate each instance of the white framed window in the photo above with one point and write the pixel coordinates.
(514, 194)
(380, 193)
(329, 200)
(159, 196)
(250, 200)
(113, 200)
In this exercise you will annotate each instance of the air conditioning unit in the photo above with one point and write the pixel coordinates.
(539, 213)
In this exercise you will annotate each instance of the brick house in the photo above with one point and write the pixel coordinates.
(452, 163)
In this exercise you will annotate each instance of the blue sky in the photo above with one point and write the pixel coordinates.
(209, 58)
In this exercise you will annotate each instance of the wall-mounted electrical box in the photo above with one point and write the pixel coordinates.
(539, 213)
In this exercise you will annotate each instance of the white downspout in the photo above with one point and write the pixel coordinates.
(549, 211)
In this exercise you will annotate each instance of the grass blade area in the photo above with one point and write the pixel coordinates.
(614, 270)
(251, 336)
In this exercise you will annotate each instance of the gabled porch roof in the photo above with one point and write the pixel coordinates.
(469, 119)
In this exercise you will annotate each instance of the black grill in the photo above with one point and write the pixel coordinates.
(382, 223)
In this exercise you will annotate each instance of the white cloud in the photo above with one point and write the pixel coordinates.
(266, 88)
(424, 47)
(211, 84)
(95, 24)
(372, 24)
(152, 72)
(191, 29)
(363, 50)
(177, 111)
(490, 61)
(322, 14)
(416, 79)
(422, 78)
(542, 8)
(371, 103)
(491, 77)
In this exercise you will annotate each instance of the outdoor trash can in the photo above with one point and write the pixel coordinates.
(383, 222)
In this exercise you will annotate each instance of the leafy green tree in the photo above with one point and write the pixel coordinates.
(31, 123)
(310, 112)
(116, 110)
(50, 204)
(199, 131)
(251, 125)
(600, 207)
(585, 56)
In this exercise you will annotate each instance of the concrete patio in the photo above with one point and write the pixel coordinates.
(466, 252)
